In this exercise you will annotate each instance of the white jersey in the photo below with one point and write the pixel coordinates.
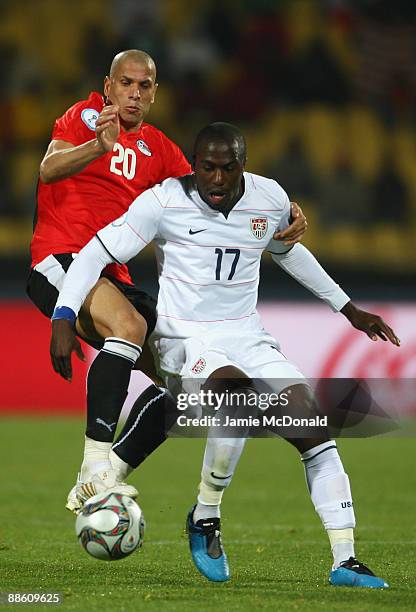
(208, 264)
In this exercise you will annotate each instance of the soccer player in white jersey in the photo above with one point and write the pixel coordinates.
(210, 230)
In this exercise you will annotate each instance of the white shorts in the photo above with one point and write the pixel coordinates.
(255, 353)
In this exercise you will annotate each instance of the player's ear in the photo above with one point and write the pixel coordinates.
(154, 92)
(107, 83)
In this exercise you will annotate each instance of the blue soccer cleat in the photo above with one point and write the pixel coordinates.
(206, 548)
(355, 574)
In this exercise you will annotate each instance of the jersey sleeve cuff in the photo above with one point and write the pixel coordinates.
(64, 312)
(339, 300)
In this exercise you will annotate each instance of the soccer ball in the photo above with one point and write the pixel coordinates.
(110, 526)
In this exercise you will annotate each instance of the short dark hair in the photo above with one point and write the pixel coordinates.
(222, 132)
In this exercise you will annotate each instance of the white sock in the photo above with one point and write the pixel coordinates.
(122, 348)
(331, 495)
(96, 458)
(220, 460)
(122, 468)
(342, 545)
(204, 511)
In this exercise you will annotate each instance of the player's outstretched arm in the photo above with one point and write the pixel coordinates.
(370, 324)
(63, 159)
(299, 262)
(81, 277)
(298, 226)
(303, 267)
(118, 242)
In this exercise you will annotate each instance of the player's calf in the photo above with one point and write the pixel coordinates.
(108, 313)
(203, 522)
(107, 383)
(223, 453)
(327, 482)
(330, 491)
(220, 460)
(151, 417)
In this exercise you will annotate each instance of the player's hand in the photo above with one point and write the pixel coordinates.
(370, 324)
(107, 127)
(294, 233)
(63, 342)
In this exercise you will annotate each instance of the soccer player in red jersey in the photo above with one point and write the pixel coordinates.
(101, 157)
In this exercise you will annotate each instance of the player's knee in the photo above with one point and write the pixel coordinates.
(129, 325)
(301, 396)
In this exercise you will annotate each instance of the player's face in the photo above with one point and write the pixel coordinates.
(219, 175)
(132, 87)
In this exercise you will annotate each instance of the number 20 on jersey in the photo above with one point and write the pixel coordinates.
(123, 163)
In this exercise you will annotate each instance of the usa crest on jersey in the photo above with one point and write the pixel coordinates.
(258, 227)
(143, 148)
(199, 366)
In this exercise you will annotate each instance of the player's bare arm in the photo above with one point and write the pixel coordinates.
(63, 159)
(294, 233)
(370, 324)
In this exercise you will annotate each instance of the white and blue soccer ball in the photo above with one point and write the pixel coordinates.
(110, 526)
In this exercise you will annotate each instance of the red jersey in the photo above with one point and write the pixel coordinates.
(72, 210)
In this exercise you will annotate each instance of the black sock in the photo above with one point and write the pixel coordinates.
(107, 384)
(150, 419)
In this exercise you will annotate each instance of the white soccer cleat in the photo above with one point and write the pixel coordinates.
(102, 482)
(72, 503)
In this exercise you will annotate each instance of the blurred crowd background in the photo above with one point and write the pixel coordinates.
(325, 92)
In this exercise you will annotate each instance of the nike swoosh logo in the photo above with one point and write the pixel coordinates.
(220, 477)
(192, 232)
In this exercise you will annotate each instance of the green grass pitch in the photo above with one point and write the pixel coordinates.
(278, 551)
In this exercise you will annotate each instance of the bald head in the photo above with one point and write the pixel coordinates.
(222, 133)
(131, 87)
(133, 55)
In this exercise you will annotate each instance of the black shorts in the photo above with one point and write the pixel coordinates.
(46, 279)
